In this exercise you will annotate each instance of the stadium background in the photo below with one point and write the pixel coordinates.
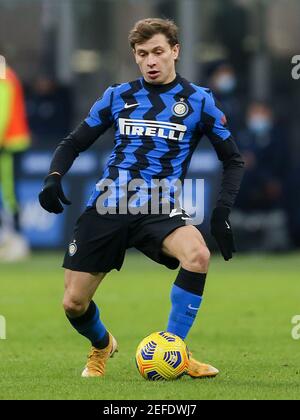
(66, 52)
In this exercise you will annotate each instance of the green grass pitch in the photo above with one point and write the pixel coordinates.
(243, 328)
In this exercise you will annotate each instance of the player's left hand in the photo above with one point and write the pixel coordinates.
(222, 232)
(52, 195)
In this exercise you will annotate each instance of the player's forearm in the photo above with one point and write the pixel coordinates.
(63, 157)
(70, 148)
(233, 170)
(232, 178)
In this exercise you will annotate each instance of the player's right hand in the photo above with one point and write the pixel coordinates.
(52, 195)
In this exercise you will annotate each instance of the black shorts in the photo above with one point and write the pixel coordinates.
(99, 242)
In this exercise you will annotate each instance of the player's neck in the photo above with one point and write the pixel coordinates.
(161, 87)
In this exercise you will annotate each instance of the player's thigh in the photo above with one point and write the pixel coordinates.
(80, 286)
(183, 242)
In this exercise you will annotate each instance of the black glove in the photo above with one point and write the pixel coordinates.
(222, 232)
(52, 194)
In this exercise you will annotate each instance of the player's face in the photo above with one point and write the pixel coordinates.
(156, 59)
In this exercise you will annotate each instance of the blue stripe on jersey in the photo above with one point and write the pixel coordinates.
(177, 156)
(100, 113)
(213, 120)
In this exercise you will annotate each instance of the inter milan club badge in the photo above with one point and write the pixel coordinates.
(180, 109)
(72, 249)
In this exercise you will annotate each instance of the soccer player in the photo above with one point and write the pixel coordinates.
(158, 120)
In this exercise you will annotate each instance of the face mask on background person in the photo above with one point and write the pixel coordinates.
(259, 124)
(225, 83)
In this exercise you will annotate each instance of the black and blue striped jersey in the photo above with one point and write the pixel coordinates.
(157, 128)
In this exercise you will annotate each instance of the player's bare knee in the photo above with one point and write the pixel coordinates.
(73, 307)
(197, 260)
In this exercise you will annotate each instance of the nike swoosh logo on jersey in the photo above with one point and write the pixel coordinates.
(192, 307)
(130, 105)
(227, 225)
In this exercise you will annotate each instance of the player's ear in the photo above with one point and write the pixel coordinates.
(176, 50)
(134, 53)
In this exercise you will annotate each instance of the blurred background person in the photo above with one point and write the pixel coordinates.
(49, 109)
(223, 81)
(265, 151)
(14, 141)
(263, 196)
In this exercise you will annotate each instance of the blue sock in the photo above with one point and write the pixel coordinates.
(186, 298)
(90, 326)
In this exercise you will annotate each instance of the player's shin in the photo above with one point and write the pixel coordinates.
(90, 326)
(186, 298)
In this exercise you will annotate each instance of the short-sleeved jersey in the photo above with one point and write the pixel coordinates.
(157, 128)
